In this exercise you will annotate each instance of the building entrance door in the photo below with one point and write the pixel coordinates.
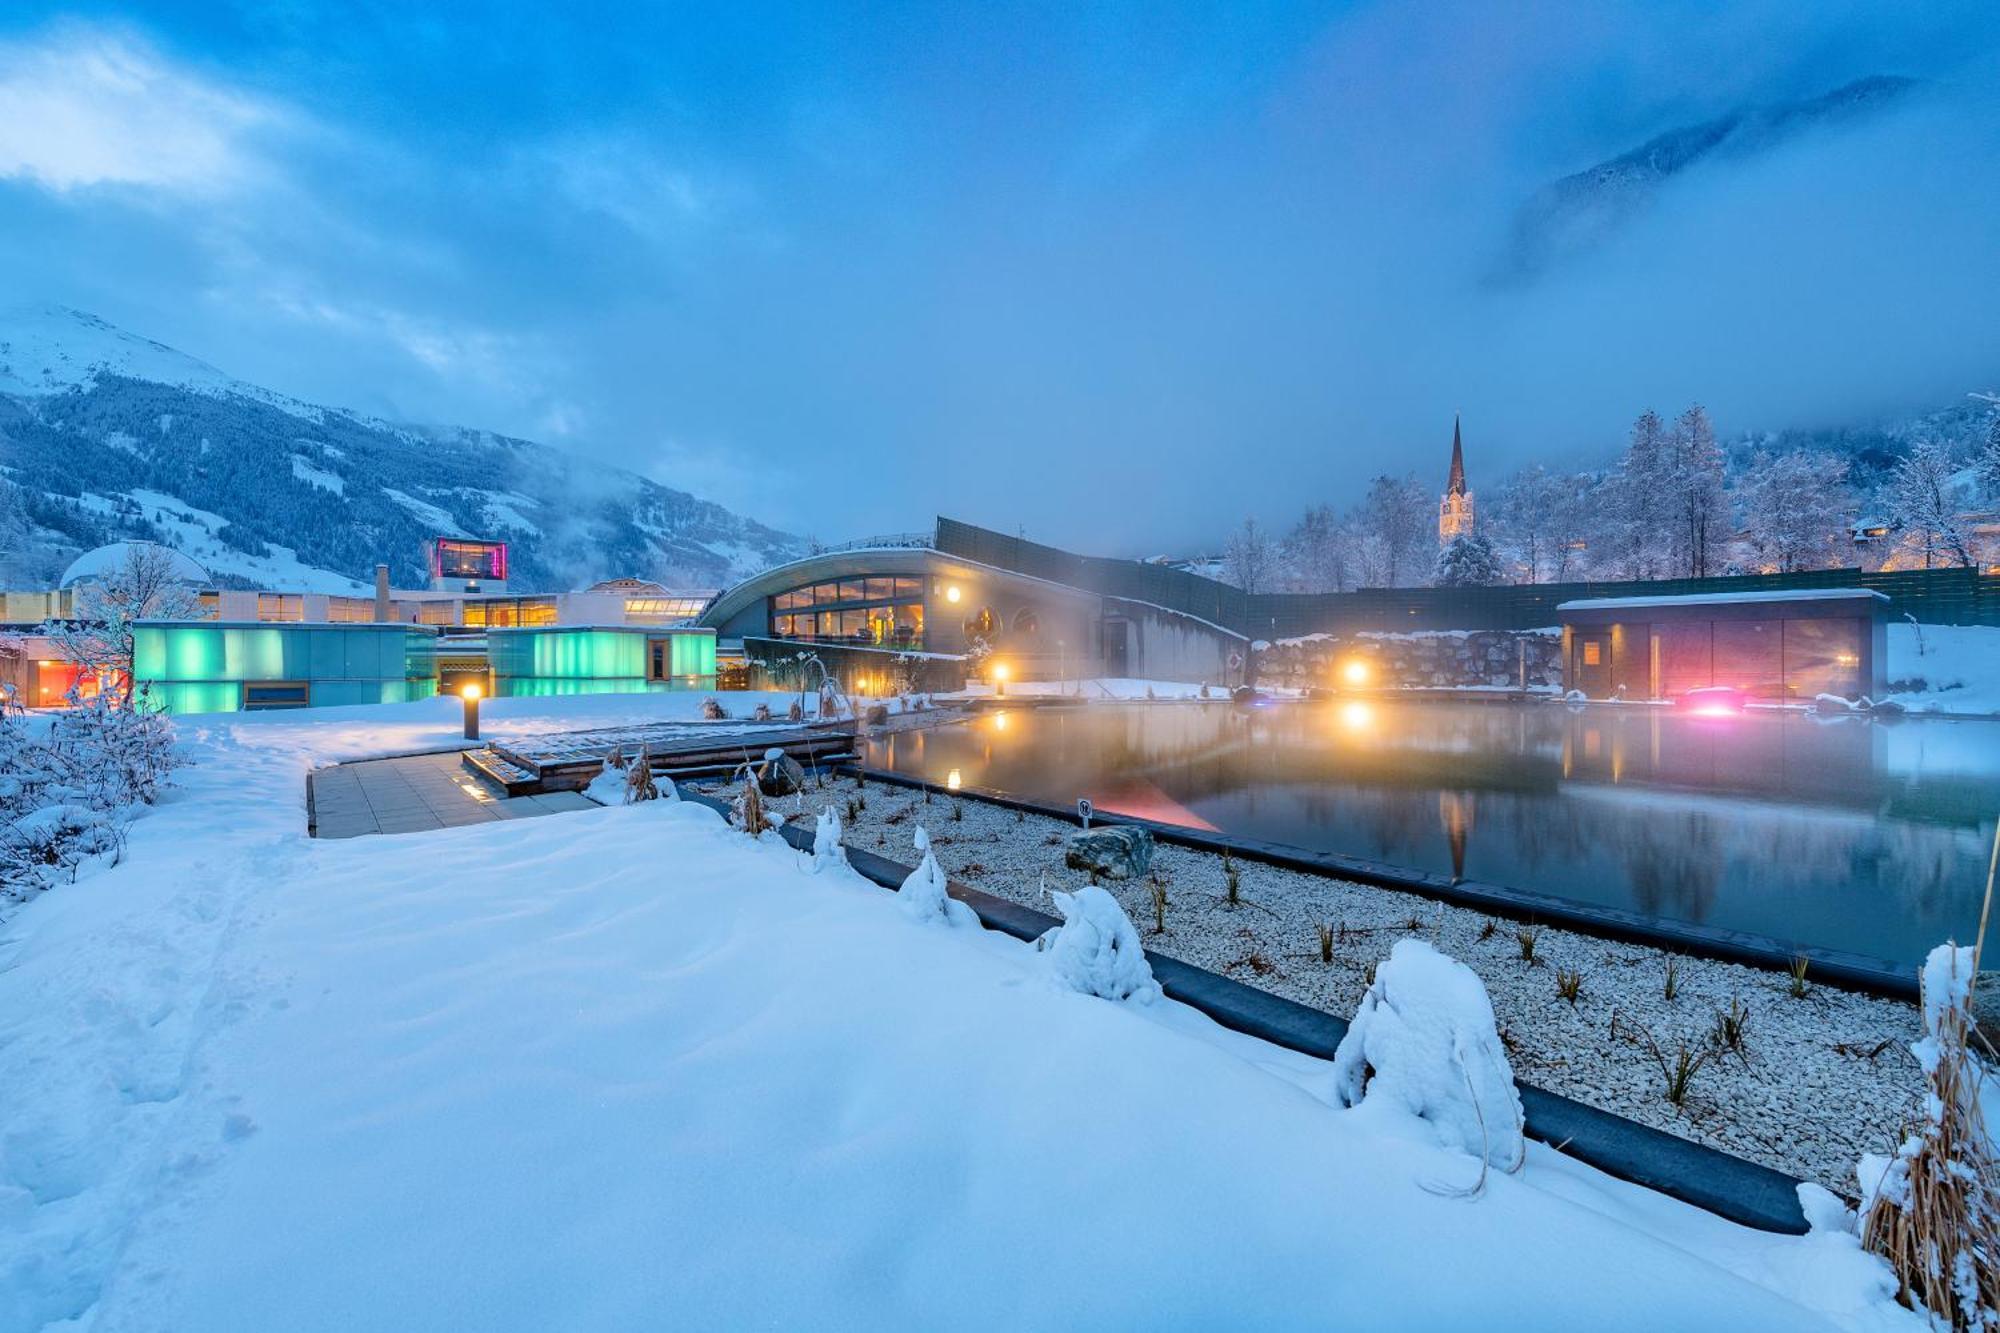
(1590, 662)
(1117, 651)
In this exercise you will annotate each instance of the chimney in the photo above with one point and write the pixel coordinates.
(382, 613)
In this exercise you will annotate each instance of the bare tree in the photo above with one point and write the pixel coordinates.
(1924, 504)
(1534, 521)
(1395, 523)
(1317, 551)
(1795, 507)
(145, 584)
(1247, 557)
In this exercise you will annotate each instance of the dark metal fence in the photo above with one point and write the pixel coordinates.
(1931, 596)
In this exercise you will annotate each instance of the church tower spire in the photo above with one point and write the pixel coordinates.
(1455, 511)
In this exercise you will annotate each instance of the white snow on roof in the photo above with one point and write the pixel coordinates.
(105, 559)
(1721, 598)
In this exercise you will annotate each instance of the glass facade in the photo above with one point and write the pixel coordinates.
(1766, 659)
(539, 662)
(192, 667)
(508, 612)
(886, 611)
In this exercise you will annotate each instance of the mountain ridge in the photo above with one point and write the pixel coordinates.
(105, 434)
(1577, 212)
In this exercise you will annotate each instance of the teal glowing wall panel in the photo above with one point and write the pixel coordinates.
(541, 662)
(692, 655)
(197, 667)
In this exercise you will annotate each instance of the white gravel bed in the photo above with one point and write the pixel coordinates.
(1819, 1080)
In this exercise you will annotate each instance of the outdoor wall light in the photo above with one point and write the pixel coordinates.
(952, 780)
(951, 593)
(1354, 671)
(470, 693)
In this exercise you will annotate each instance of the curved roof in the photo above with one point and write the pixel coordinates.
(641, 587)
(94, 565)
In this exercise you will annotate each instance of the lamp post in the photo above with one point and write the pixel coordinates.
(470, 693)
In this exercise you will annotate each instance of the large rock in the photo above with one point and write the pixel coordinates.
(1120, 851)
(780, 774)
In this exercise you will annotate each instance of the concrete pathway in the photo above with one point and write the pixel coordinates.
(416, 794)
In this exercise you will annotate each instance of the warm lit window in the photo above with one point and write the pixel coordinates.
(282, 607)
(536, 611)
(1593, 653)
(350, 610)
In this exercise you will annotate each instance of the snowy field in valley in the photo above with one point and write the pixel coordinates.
(629, 1068)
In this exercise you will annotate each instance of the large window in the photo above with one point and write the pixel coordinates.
(281, 607)
(510, 612)
(879, 612)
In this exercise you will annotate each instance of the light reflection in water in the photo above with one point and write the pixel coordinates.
(1846, 834)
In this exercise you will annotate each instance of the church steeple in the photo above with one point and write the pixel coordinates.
(1455, 483)
(1455, 509)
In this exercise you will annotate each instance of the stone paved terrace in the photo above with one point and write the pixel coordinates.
(416, 794)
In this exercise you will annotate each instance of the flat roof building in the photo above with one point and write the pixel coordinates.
(1777, 645)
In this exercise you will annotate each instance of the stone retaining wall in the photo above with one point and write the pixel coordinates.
(1437, 658)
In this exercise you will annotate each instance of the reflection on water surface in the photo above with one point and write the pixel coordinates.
(1845, 834)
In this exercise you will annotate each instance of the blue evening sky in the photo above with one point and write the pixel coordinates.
(1118, 274)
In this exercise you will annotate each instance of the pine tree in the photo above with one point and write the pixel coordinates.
(1467, 561)
(1698, 506)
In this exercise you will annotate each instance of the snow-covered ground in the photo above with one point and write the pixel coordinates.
(1958, 665)
(628, 1068)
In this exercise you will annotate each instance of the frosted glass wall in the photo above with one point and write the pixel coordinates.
(557, 661)
(193, 667)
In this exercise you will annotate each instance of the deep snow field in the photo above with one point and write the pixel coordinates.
(629, 1068)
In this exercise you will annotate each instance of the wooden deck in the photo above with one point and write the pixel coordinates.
(565, 761)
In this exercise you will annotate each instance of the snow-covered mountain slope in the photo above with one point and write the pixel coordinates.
(106, 434)
(1579, 211)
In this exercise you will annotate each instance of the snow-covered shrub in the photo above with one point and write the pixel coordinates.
(639, 783)
(1096, 950)
(827, 850)
(1932, 1209)
(761, 713)
(66, 795)
(924, 894)
(1424, 1038)
(713, 711)
(747, 810)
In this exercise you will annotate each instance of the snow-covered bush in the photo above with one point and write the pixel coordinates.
(827, 850)
(713, 711)
(66, 795)
(1095, 950)
(924, 894)
(1932, 1209)
(1425, 1040)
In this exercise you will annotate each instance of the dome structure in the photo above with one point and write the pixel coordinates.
(92, 566)
(631, 587)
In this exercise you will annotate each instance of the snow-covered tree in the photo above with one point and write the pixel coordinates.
(1924, 505)
(1537, 519)
(1638, 510)
(1395, 522)
(1467, 561)
(145, 584)
(1317, 551)
(1796, 508)
(1696, 498)
(1247, 557)
(1989, 461)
